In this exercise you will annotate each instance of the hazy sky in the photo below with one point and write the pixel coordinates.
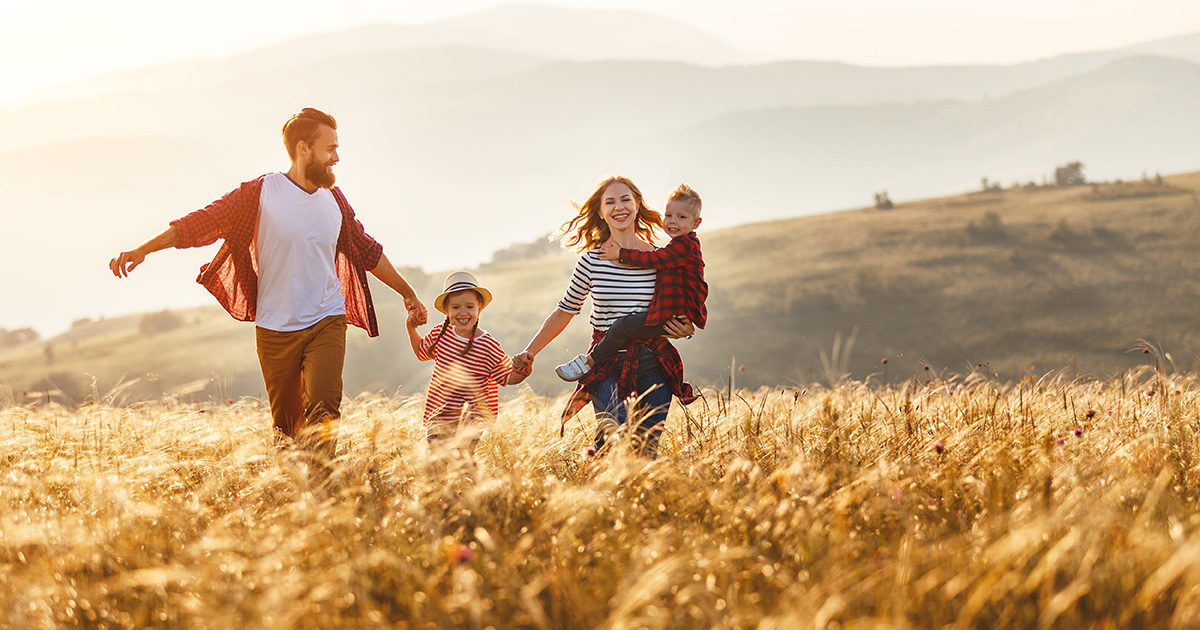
(43, 42)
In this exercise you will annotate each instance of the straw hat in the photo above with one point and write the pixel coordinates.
(458, 281)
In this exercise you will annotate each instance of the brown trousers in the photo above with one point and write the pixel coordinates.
(302, 370)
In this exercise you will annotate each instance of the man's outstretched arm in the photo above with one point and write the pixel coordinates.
(128, 261)
(388, 275)
(196, 229)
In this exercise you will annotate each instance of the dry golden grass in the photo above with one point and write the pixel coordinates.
(779, 508)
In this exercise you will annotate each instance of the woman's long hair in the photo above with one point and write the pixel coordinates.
(586, 230)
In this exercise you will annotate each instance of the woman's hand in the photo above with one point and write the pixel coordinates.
(679, 327)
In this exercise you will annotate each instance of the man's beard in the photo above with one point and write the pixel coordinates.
(320, 174)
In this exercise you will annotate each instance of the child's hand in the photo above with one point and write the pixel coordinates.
(414, 320)
(610, 250)
(516, 376)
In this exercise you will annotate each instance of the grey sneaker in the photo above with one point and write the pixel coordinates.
(574, 369)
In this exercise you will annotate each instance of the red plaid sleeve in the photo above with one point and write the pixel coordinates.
(357, 253)
(680, 252)
(679, 287)
(359, 246)
(219, 218)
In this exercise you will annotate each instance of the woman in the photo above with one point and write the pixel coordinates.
(650, 369)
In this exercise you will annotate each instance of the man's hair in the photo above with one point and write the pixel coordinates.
(304, 126)
(686, 194)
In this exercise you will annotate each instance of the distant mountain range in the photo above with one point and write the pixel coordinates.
(485, 126)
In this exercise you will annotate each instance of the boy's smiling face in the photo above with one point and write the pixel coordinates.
(679, 218)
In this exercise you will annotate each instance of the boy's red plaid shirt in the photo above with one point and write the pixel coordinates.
(232, 276)
(679, 288)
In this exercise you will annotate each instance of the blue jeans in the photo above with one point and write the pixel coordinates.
(652, 407)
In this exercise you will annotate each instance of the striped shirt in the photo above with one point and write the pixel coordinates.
(616, 290)
(463, 385)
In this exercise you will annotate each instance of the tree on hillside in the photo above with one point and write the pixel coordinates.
(1069, 174)
(882, 201)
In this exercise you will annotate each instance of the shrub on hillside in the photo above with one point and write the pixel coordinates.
(988, 228)
(9, 338)
(162, 321)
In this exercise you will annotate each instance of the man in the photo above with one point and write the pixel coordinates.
(294, 261)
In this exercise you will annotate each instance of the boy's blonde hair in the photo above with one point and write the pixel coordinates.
(688, 195)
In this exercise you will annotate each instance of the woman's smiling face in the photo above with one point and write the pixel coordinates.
(618, 207)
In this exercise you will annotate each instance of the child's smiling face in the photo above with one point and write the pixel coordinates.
(462, 308)
(679, 218)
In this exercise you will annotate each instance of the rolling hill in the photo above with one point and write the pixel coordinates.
(1023, 280)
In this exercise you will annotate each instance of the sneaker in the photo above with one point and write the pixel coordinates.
(574, 369)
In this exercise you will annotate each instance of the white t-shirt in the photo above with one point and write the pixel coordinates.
(297, 244)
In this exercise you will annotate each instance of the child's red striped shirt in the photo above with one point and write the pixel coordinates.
(463, 386)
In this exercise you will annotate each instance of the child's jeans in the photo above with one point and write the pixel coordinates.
(632, 326)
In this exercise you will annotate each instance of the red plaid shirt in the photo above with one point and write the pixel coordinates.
(625, 365)
(232, 276)
(679, 287)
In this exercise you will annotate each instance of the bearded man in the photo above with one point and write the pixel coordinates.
(294, 261)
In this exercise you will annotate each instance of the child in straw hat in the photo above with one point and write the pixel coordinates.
(469, 364)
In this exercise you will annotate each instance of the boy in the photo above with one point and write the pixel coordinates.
(679, 287)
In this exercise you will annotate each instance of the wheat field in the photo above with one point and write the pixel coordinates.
(948, 500)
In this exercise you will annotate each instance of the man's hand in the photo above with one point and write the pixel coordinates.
(679, 327)
(126, 262)
(417, 313)
(610, 250)
(523, 363)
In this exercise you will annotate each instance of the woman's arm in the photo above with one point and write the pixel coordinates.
(555, 323)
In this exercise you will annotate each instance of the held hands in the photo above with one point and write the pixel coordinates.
(126, 262)
(523, 363)
(679, 327)
(520, 371)
(611, 251)
(417, 313)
